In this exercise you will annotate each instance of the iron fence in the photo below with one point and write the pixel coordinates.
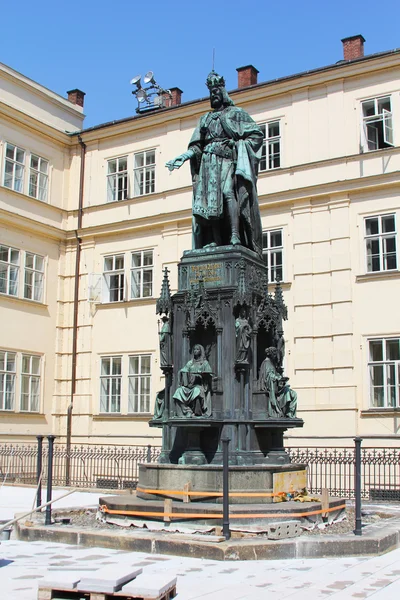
(334, 469)
(116, 467)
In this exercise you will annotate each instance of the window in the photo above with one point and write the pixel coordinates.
(9, 270)
(110, 384)
(271, 148)
(377, 126)
(117, 179)
(142, 274)
(380, 240)
(139, 384)
(114, 278)
(145, 173)
(38, 177)
(7, 380)
(30, 383)
(34, 273)
(14, 168)
(273, 253)
(384, 372)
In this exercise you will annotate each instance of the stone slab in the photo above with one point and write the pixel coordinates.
(110, 579)
(68, 579)
(150, 587)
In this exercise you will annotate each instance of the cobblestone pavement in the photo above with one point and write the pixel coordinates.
(24, 564)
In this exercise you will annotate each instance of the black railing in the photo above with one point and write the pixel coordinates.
(116, 467)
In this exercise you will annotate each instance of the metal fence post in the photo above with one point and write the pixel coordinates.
(50, 439)
(39, 470)
(225, 487)
(357, 485)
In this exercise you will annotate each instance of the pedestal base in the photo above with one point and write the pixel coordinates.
(247, 484)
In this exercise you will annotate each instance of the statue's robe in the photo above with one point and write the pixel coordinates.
(217, 161)
(193, 396)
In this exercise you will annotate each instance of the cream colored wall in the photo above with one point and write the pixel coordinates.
(319, 197)
(34, 119)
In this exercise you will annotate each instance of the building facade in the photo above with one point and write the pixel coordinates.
(89, 219)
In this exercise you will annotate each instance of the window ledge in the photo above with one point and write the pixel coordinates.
(377, 275)
(122, 417)
(380, 412)
(23, 300)
(138, 301)
(21, 413)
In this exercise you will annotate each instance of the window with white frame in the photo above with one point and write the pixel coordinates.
(377, 124)
(34, 274)
(7, 379)
(380, 242)
(271, 148)
(30, 383)
(114, 278)
(14, 168)
(139, 383)
(145, 173)
(142, 274)
(38, 177)
(117, 179)
(9, 270)
(384, 372)
(273, 253)
(110, 384)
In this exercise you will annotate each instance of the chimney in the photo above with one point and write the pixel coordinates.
(353, 47)
(76, 97)
(247, 76)
(175, 99)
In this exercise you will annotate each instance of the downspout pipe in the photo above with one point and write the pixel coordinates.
(76, 309)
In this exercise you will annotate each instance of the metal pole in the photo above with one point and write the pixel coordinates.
(39, 469)
(357, 485)
(149, 453)
(225, 487)
(50, 439)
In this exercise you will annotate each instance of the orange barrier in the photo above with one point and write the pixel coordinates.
(137, 513)
(212, 494)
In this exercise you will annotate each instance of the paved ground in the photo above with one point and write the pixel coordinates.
(14, 499)
(24, 564)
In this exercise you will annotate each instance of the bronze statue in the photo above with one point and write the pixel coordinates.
(243, 337)
(165, 343)
(282, 400)
(159, 406)
(193, 396)
(224, 153)
(280, 346)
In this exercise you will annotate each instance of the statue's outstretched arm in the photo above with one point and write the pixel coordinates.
(177, 162)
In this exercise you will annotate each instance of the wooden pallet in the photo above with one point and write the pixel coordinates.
(167, 591)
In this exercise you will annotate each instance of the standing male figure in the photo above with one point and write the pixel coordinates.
(224, 153)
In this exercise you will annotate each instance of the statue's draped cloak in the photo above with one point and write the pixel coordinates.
(215, 161)
(195, 385)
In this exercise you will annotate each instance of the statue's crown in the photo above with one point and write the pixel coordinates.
(215, 80)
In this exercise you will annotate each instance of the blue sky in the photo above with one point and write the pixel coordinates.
(99, 46)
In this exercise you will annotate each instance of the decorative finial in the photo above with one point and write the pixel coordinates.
(164, 303)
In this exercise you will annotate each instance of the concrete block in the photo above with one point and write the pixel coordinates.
(150, 586)
(109, 580)
(283, 530)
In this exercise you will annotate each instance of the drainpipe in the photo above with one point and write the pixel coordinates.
(76, 307)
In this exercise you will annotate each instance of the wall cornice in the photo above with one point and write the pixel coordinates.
(30, 123)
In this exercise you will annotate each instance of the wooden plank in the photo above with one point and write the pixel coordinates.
(186, 488)
(324, 501)
(167, 509)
